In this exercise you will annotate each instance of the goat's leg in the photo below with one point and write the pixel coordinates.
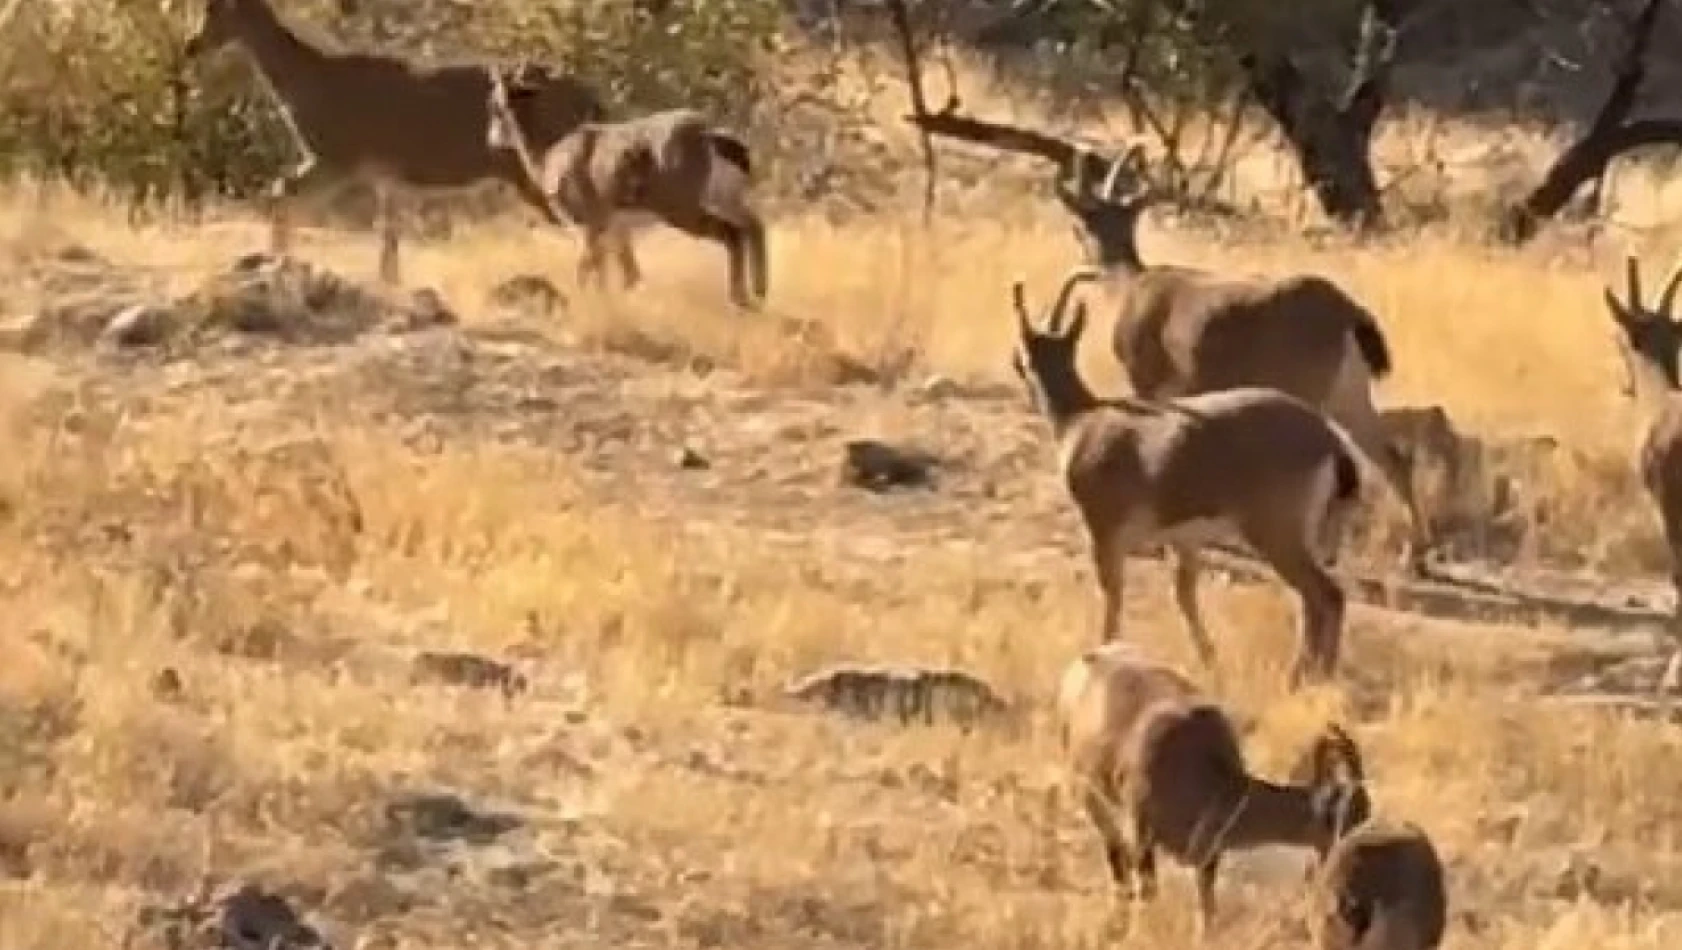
(590, 262)
(1188, 567)
(1144, 859)
(1322, 603)
(1207, 872)
(385, 203)
(1109, 562)
(704, 224)
(1102, 813)
(629, 272)
(750, 230)
(307, 178)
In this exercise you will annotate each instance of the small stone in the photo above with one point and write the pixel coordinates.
(878, 466)
(253, 919)
(425, 310)
(940, 387)
(531, 294)
(137, 325)
(25, 332)
(166, 684)
(688, 459)
(469, 669)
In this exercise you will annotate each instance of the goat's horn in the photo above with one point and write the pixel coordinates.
(1077, 276)
(1019, 297)
(1077, 169)
(1667, 296)
(1632, 271)
(1112, 180)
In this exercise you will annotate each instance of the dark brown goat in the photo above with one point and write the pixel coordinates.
(393, 124)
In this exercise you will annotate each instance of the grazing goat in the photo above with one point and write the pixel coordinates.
(393, 124)
(1159, 767)
(673, 164)
(1380, 888)
(1649, 340)
(1185, 471)
(1181, 330)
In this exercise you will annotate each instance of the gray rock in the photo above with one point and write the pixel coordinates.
(137, 325)
(254, 919)
(906, 692)
(879, 466)
(469, 669)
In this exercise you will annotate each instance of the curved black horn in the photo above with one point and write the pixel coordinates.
(1667, 296)
(1054, 322)
(1632, 272)
(1019, 296)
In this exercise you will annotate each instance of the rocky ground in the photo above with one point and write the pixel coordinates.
(524, 802)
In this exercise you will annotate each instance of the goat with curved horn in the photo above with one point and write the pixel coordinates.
(1183, 330)
(1649, 339)
(1251, 462)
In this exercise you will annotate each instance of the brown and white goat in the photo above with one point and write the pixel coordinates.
(1160, 767)
(1183, 330)
(1253, 463)
(1649, 338)
(672, 164)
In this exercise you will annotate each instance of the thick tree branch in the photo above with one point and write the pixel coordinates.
(1332, 135)
(1607, 137)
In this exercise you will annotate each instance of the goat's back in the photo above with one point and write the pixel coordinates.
(1101, 698)
(1185, 774)
(1204, 456)
(1381, 888)
(426, 125)
(1184, 330)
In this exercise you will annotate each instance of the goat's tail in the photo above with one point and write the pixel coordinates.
(1375, 350)
(731, 148)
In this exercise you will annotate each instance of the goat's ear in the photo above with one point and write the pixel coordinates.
(1019, 299)
(1615, 307)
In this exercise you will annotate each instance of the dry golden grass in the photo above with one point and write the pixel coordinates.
(265, 526)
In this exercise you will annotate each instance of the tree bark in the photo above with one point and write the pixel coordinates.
(1608, 136)
(1331, 136)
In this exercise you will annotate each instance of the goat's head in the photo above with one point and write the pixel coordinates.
(219, 26)
(1108, 220)
(1333, 771)
(1646, 334)
(1045, 359)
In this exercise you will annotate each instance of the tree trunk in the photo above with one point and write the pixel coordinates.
(1332, 142)
(1608, 136)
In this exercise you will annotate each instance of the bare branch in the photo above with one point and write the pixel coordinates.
(900, 14)
(1608, 136)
